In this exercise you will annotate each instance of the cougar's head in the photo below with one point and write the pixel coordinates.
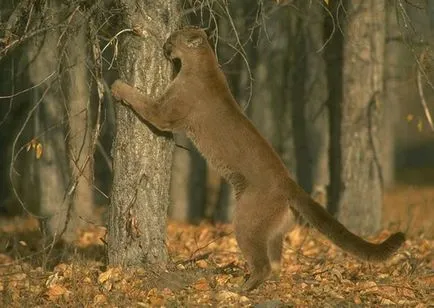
(187, 41)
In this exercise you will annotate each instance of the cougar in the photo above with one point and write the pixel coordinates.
(199, 102)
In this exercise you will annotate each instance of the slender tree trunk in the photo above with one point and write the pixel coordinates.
(317, 113)
(270, 107)
(188, 185)
(394, 76)
(142, 158)
(80, 130)
(361, 199)
(179, 186)
(53, 172)
(333, 56)
(298, 73)
(197, 186)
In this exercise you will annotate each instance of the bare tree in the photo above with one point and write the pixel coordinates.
(43, 59)
(316, 111)
(364, 41)
(51, 41)
(333, 49)
(80, 134)
(142, 157)
(394, 75)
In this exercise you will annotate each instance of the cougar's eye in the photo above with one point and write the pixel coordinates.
(194, 42)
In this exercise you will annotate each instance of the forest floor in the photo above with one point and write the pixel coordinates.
(207, 269)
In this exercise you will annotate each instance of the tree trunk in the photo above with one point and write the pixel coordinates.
(197, 186)
(361, 199)
(179, 186)
(270, 107)
(316, 113)
(53, 172)
(80, 128)
(394, 76)
(142, 157)
(334, 59)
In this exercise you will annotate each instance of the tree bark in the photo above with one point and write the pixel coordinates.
(53, 172)
(317, 113)
(394, 76)
(179, 186)
(80, 128)
(274, 64)
(333, 56)
(197, 185)
(361, 198)
(142, 157)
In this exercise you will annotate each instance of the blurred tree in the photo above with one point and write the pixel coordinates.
(41, 59)
(55, 63)
(360, 201)
(309, 94)
(394, 77)
(333, 57)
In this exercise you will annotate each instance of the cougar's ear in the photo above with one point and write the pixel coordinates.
(194, 41)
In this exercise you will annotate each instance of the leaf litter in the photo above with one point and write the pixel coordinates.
(206, 268)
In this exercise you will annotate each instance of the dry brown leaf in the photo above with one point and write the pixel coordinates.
(99, 299)
(56, 291)
(226, 295)
(155, 298)
(386, 301)
(201, 285)
(53, 279)
(428, 280)
(357, 299)
(38, 151)
(202, 264)
(112, 273)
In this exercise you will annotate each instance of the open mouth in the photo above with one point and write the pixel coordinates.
(176, 62)
(176, 67)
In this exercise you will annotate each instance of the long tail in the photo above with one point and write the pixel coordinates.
(318, 217)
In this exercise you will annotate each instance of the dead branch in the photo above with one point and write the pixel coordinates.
(420, 72)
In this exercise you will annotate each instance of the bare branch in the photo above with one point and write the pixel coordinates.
(421, 72)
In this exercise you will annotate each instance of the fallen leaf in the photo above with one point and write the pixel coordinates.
(56, 291)
(201, 284)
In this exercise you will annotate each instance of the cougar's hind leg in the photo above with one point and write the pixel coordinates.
(275, 243)
(254, 249)
(275, 246)
(251, 234)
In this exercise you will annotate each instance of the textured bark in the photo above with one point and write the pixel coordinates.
(316, 112)
(197, 186)
(334, 58)
(66, 198)
(142, 158)
(361, 198)
(80, 130)
(179, 192)
(53, 172)
(298, 73)
(188, 184)
(270, 107)
(394, 77)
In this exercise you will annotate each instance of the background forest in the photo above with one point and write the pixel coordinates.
(342, 89)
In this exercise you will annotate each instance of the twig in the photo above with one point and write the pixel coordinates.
(30, 88)
(420, 89)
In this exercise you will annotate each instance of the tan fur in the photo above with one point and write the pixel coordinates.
(199, 102)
